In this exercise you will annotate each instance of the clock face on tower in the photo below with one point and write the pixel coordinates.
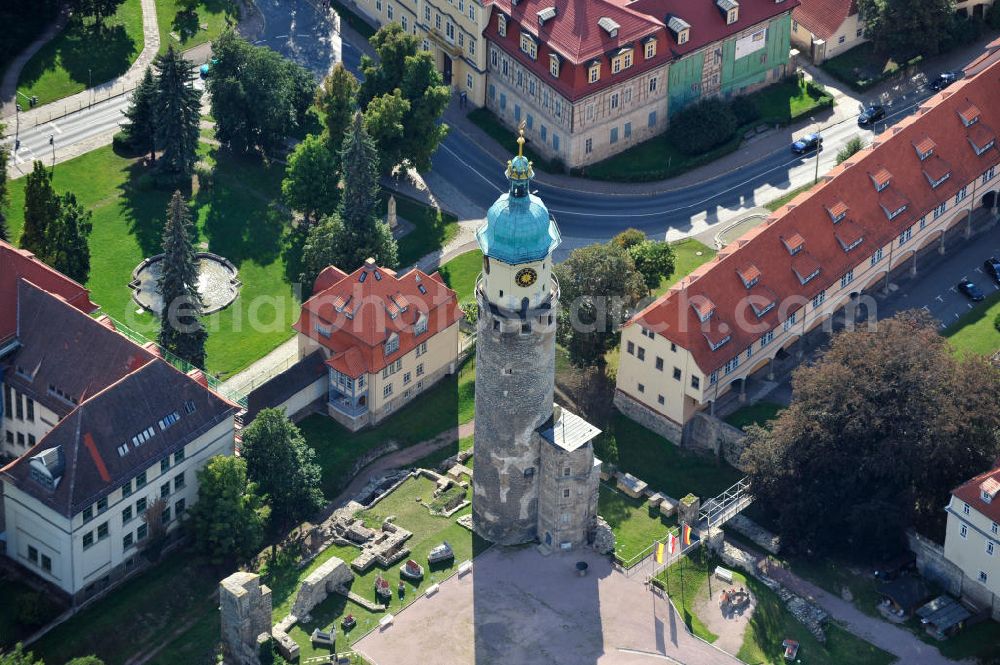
(525, 277)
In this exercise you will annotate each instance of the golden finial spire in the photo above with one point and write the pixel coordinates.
(520, 139)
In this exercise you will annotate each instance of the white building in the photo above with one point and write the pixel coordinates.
(972, 538)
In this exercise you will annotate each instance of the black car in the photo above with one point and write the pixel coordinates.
(807, 143)
(970, 290)
(992, 268)
(871, 114)
(943, 80)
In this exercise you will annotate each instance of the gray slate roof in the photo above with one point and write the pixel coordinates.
(567, 430)
(284, 385)
(91, 434)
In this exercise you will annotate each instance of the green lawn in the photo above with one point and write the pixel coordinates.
(666, 467)
(138, 616)
(14, 592)
(21, 28)
(448, 404)
(633, 522)
(434, 228)
(233, 219)
(81, 54)
(686, 582)
(975, 332)
(461, 273)
(428, 532)
(833, 575)
(214, 15)
(757, 414)
(772, 623)
(786, 102)
(777, 203)
(688, 255)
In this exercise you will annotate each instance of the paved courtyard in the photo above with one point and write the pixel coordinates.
(520, 607)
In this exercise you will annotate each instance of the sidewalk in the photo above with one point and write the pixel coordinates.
(898, 641)
(125, 82)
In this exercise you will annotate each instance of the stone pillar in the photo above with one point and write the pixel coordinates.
(688, 509)
(770, 370)
(968, 224)
(245, 607)
(391, 212)
(941, 243)
(743, 391)
(913, 266)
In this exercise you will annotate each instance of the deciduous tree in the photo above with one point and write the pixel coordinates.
(177, 113)
(181, 331)
(384, 120)
(19, 657)
(880, 429)
(321, 249)
(140, 124)
(227, 520)
(66, 240)
(310, 184)
(41, 208)
(654, 259)
(854, 145)
(599, 284)
(338, 99)
(283, 466)
(907, 27)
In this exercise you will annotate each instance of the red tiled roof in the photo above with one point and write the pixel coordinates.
(936, 168)
(848, 233)
(924, 145)
(881, 177)
(990, 55)
(850, 183)
(824, 17)
(575, 36)
(17, 264)
(971, 493)
(837, 209)
(980, 134)
(362, 310)
(969, 112)
(749, 273)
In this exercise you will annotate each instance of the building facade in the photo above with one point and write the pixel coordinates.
(591, 80)
(386, 338)
(536, 475)
(823, 29)
(452, 30)
(972, 539)
(113, 430)
(732, 316)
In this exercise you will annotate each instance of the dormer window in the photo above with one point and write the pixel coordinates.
(881, 179)
(716, 344)
(703, 307)
(609, 26)
(649, 48)
(621, 60)
(546, 14)
(392, 344)
(837, 211)
(989, 489)
(750, 275)
(594, 72)
(554, 64)
(323, 330)
(529, 45)
(680, 28)
(894, 213)
(807, 275)
(501, 25)
(935, 182)
(730, 9)
(924, 147)
(981, 138)
(421, 326)
(969, 115)
(794, 244)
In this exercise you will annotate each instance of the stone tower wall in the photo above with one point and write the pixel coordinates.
(567, 518)
(515, 376)
(245, 607)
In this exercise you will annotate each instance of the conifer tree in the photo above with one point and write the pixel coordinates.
(140, 128)
(181, 331)
(66, 247)
(41, 208)
(365, 233)
(177, 113)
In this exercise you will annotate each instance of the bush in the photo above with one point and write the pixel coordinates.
(745, 110)
(856, 144)
(702, 126)
(122, 146)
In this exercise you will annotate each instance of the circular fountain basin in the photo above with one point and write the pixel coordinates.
(217, 282)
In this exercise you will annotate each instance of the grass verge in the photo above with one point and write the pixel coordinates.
(461, 273)
(84, 54)
(777, 203)
(686, 581)
(975, 331)
(434, 228)
(635, 525)
(688, 255)
(755, 414)
(487, 121)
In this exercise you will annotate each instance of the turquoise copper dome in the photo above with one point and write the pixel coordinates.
(518, 227)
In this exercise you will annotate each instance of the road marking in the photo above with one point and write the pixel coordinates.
(488, 181)
(939, 298)
(968, 304)
(55, 127)
(280, 36)
(956, 316)
(926, 309)
(979, 270)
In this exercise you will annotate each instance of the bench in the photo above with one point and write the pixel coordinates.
(724, 574)
(385, 621)
(464, 567)
(431, 590)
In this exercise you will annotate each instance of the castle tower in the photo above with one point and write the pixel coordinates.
(515, 377)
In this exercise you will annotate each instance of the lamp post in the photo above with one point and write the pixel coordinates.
(819, 146)
(90, 86)
(52, 142)
(17, 126)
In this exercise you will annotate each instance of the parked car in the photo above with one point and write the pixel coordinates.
(944, 79)
(871, 114)
(970, 290)
(807, 143)
(991, 267)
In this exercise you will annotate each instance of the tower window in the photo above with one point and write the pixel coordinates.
(529, 472)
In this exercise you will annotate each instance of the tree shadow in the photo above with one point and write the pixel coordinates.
(241, 223)
(185, 24)
(144, 202)
(96, 55)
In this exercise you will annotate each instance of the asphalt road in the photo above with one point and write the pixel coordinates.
(300, 30)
